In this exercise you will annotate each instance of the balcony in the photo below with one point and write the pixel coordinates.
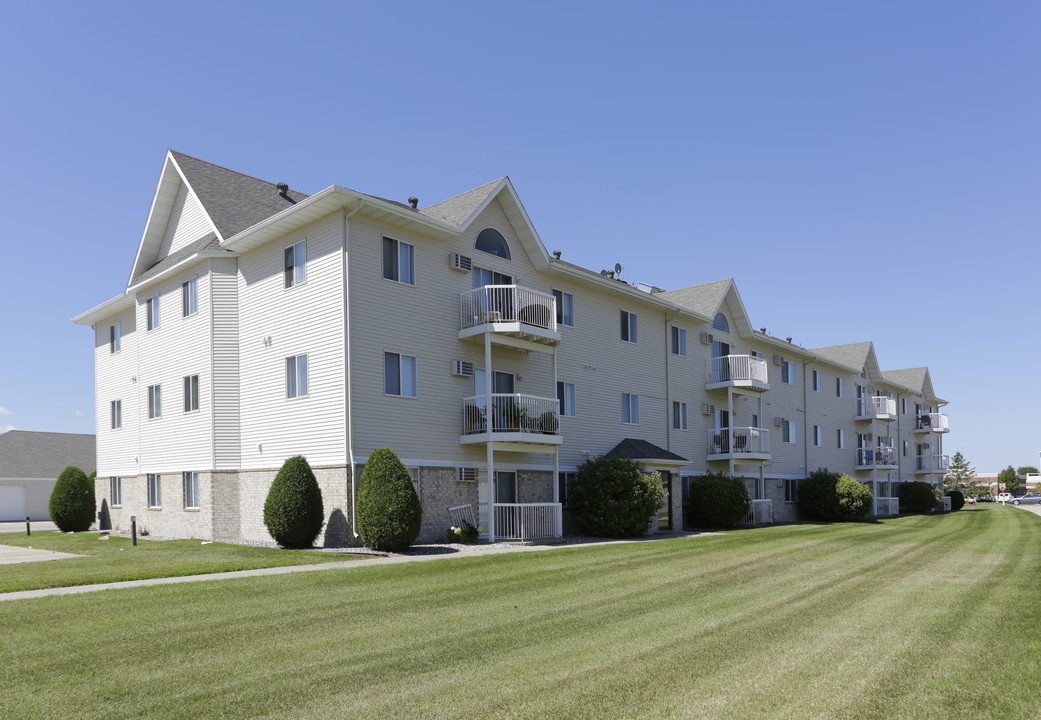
(515, 419)
(931, 423)
(762, 513)
(926, 464)
(737, 371)
(739, 443)
(515, 315)
(527, 521)
(878, 407)
(880, 458)
(887, 506)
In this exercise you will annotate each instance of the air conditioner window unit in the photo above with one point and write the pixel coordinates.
(461, 262)
(462, 368)
(778, 360)
(778, 421)
(707, 409)
(467, 475)
(706, 338)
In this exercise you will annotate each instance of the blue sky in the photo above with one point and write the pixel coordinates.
(864, 171)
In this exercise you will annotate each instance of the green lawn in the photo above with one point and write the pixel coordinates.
(116, 559)
(916, 617)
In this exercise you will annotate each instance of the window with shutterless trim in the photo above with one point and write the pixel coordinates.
(630, 409)
(839, 389)
(152, 312)
(818, 435)
(399, 261)
(113, 338)
(116, 411)
(155, 494)
(191, 490)
(294, 269)
(679, 415)
(679, 341)
(400, 375)
(296, 376)
(841, 439)
(115, 490)
(628, 326)
(565, 308)
(155, 401)
(191, 393)
(817, 380)
(189, 297)
(566, 397)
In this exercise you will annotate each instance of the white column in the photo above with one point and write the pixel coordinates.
(489, 424)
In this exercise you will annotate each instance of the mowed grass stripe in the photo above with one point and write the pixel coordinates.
(845, 621)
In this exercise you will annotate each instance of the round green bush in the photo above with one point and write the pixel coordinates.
(831, 496)
(917, 497)
(612, 497)
(72, 501)
(718, 500)
(389, 511)
(293, 511)
(855, 499)
(957, 499)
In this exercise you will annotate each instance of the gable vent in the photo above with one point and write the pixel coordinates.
(461, 263)
(462, 368)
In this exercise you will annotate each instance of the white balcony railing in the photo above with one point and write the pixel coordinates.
(762, 513)
(511, 413)
(887, 506)
(878, 407)
(876, 457)
(737, 369)
(931, 463)
(527, 521)
(507, 304)
(931, 422)
(738, 440)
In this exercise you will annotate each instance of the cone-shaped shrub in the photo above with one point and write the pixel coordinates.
(614, 498)
(72, 501)
(718, 500)
(389, 512)
(293, 511)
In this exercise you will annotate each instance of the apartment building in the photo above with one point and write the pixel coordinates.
(260, 323)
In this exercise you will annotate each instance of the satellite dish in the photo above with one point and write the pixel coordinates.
(618, 268)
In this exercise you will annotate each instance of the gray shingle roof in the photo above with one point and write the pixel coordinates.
(911, 378)
(210, 242)
(25, 454)
(642, 450)
(703, 299)
(232, 200)
(457, 210)
(853, 355)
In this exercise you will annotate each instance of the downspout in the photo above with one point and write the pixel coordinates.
(345, 264)
(806, 421)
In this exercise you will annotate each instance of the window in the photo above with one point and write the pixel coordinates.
(155, 401)
(191, 490)
(817, 380)
(399, 376)
(296, 376)
(755, 420)
(191, 393)
(906, 448)
(841, 439)
(789, 432)
(116, 407)
(630, 409)
(755, 354)
(564, 481)
(565, 308)
(295, 269)
(189, 297)
(720, 323)
(399, 261)
(628, 326)
(113, 338)
(679, 415)
(838, 387)
(492, 242)
(152, 312)
(679, 341)
(413, 475)
(566, 396)
(155, 495)
(903, 406)
(115, 490)
(791, 491)
(818, 435)
(787, 372)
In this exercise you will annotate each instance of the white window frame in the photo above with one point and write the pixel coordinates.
(565, 308)
(116, 415)
(566, 398)
(152, 313)
(115, 490)
(817, 381)
(791, 490)
(402, 266)
(564, 481)
(629, 327)
(155, 490)
(114, 338)
(903, 406)
(190, 482)
(294, 264)
(679, 415)
(789, 432)
(190, 297)
(401, 378)
(155, 401)
(787, 372)
(841, 439)
(906, 449)
(297, 369)
(191, 393)
(840, 387)
(818, 435)
(678, 340)
(630, 409)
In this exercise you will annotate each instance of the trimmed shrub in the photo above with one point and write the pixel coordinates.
(389, 511)
(72, 501)
(293, 511)
(718, 500)
(957, 499)
(832, 496)
(612, 497)
(916, 497)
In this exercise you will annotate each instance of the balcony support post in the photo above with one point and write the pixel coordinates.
(489, 415)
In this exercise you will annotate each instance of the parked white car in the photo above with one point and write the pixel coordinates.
(1004, 497)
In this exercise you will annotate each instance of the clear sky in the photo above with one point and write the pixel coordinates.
(865, 171)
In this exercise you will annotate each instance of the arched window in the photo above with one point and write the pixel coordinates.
(492, 242)
(720, 323)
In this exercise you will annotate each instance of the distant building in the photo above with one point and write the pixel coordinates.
(30, 463)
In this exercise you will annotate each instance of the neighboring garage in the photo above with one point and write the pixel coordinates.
(30, 462)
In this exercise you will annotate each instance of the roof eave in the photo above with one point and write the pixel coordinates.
(105, 310)
(178, 267)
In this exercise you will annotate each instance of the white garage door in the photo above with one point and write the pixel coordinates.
(12, 502)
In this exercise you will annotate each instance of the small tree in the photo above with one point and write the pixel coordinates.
(293, 511)
(1026, 470)
(1009, 479)
(718, 500)
(959, 473)
(612, 497)
(72, 501)
(389, 512)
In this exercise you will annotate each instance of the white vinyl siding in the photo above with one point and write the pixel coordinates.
(188, 223)
(224, 382)
(399, 261)
(400, 376)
